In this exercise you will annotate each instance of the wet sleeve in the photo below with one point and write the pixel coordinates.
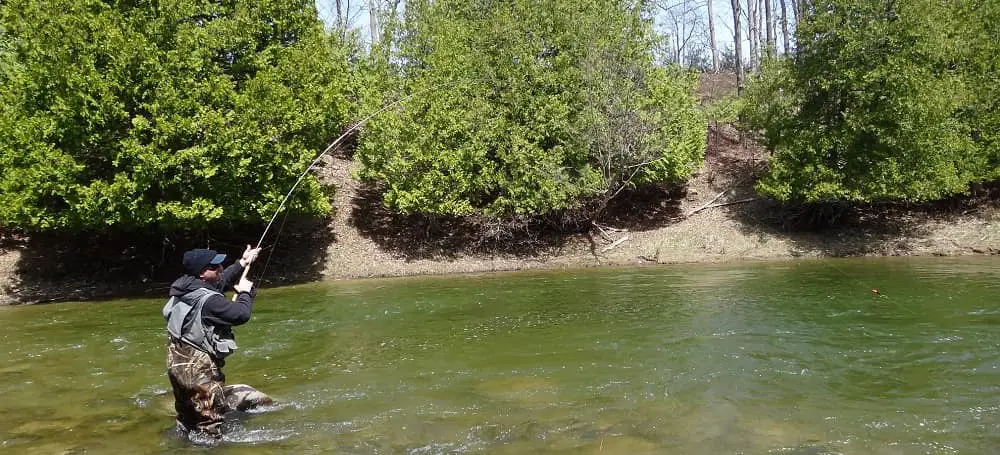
(219, 310)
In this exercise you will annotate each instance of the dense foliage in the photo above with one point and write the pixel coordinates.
(173, 113)
(876, 103)
(526, 107)
(981, 63)
(190, 112)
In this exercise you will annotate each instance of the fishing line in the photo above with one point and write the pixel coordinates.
(274, 246)
(900, 305)
(323, 153)
(874, 290)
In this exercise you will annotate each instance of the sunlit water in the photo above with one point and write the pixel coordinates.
(785, 358)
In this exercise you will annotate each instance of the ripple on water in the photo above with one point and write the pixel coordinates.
(257, 436)
(525, 390)
(692, 362)
(807, 449)
(274, 407)
(151, 390)
(947, 339)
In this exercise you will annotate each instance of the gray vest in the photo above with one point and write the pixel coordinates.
(195, 332)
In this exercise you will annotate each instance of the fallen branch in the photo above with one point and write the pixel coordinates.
(612, 229)
(617, 242)
(603, 232)
(705, 206)
(749, 199)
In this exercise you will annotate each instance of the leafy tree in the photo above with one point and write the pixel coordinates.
(513, 108)
(173, 113)
(639, 123)
(980, 38)
(868, 109)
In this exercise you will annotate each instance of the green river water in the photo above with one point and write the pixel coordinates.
(791, 357)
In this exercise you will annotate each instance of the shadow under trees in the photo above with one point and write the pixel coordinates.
(415, 236)
(845, 229)
(60, 266)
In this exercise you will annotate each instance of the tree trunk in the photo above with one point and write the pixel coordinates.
(711, 38)
(347, 12)
(752, 32)
(784, 28)
(738, 45)
(761, 36)
(340, 16)
(373, 18)
(769, 19)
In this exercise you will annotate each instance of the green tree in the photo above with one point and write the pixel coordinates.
(869, 107)
(175, 113)
(981, 41)
(513, 108)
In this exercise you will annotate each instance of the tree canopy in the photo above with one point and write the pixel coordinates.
(192, 112)
(178, 114)
(876, 103)
(527, 107)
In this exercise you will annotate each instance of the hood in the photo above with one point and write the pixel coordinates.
(186, 284)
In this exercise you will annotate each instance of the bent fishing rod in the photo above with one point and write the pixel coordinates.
(320, 156)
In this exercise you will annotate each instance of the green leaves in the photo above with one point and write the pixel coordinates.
(181, 115)
(871, 107)
(188, 113)
(517, 106)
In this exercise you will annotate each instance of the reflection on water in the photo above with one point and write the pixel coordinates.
(786, 358)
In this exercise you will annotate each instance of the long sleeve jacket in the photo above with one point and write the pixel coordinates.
(219, 311)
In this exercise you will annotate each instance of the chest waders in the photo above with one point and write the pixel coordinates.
(184, 323)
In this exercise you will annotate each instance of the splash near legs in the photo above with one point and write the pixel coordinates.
(241, 397)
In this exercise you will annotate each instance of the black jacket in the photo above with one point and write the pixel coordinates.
(219, 311)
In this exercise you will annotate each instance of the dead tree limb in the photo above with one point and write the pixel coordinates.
(703, 207)
(617, 242)
(721, 204)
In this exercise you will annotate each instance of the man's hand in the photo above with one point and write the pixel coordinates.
(244, 285)
(249, 255)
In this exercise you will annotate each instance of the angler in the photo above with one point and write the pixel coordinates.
(199, 324)
(200, 320)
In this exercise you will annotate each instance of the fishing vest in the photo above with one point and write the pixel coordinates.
(195, 332)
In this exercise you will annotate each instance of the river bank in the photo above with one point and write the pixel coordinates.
(718, 217)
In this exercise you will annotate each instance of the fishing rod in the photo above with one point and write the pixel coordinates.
(320, 156)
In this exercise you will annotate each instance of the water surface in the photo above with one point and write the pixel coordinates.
(751, 358)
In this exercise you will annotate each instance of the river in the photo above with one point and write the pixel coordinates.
(792, 357)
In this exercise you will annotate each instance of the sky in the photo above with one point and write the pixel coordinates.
(358, 18)
(358, 12)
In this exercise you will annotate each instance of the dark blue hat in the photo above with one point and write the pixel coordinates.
(196, 260)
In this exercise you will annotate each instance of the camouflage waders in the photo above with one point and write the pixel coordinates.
(199, 389)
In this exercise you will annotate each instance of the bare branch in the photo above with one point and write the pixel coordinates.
(617, 242)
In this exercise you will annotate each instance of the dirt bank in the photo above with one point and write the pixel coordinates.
(718, 217)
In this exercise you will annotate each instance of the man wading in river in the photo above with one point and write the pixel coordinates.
(199, 324)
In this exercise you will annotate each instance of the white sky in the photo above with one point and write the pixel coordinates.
(358, 18)
(357, 12)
